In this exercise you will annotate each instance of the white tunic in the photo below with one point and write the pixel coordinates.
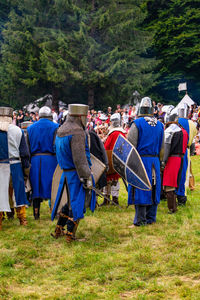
(14, 135)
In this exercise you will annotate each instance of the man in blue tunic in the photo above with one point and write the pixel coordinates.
(147, 135)
(190, 127)
(41, 137)
(73, 156)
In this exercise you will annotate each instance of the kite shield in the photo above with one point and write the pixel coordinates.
(128, 164)
(54, 189)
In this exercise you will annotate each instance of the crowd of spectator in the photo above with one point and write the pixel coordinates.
(99, 121)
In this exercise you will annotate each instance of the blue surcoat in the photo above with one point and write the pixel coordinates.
(181, 190)
(149, 145)
(41, 139)
(76, 192)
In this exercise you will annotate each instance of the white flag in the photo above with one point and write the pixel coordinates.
(182, 87)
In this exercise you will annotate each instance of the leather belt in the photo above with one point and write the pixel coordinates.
(9, 159)
(69, 170)
(177, 155)
(43, 154)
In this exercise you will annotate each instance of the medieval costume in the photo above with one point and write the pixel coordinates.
(73, 157)
(41, 137)
(190, 127)
(112, 188)
(96, 147)
(14, 167)
(174, 150)
(147, 134)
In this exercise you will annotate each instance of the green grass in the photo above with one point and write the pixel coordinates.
(160, 261)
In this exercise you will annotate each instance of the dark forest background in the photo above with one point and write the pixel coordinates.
(98, 51)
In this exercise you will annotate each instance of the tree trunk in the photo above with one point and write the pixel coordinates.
(91, 98)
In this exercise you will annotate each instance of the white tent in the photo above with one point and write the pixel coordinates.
(186, 99)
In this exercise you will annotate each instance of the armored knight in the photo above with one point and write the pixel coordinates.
(73, 157)
(112, 188)
(14, 167)
(174, 149)
(147, 135)
(190, 127)
(41, 137)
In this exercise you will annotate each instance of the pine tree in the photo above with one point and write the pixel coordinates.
(176, 42)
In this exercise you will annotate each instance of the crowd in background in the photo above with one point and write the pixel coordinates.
(99, 121)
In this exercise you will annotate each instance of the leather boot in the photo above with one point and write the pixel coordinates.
(69, 237)
(171, 202)
(191, 183)
(36, 208)
(1, 218)
(75, 229)
(10, 215)
(59, 231)
(181, 200)
(105, 201)
(115, 200)
(21, 214)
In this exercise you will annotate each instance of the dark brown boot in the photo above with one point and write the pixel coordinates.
(115, 200)
(105, 201)
(10, 215)
(69, 237)
(75, 229)
(59, 232)
(171, 201)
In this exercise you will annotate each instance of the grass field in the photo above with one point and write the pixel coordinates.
(160, 261)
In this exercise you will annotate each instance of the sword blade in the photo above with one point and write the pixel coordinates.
(98, 192)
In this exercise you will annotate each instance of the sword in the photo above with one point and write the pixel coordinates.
(125, 184)
(99, 193)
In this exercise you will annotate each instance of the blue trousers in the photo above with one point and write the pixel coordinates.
(146, 214)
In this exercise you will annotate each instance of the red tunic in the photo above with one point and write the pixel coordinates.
(172, 171)
(109, 145)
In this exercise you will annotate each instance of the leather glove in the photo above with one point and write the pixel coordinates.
(87, 183)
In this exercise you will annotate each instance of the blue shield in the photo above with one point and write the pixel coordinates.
(128, 164)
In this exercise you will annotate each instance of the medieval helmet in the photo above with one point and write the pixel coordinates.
(173, 115)
(79, 110)
(167, 110)
(183, 110)
(6, 111)
(145, 107)
(115, 120)
(45, 112)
